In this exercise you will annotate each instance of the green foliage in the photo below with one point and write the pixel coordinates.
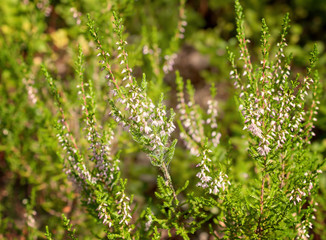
(99, 79)
(48, 235)
(69, 228)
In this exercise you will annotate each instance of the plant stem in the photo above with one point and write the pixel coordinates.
(259, 228)
(168, 179)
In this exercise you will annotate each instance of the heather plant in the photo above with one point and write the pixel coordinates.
(277, 200)
(139, 169)
(149, 125)
(279, 115)
(34, 191)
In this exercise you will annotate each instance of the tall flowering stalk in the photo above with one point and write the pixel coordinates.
(102, 189)
(149, 124)
(201, 143)
(171, 55)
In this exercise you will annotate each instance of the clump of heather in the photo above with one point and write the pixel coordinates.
(96, 174)
(278, 112)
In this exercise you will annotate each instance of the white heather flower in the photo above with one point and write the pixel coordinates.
(148, 223)
(206, 180)
(147, 129)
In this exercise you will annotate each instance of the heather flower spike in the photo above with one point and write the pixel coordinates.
(149, 124)
(171, 56)
(201, 143)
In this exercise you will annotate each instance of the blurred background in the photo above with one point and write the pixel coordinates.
(34, 190)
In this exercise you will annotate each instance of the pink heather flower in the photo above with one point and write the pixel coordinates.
(255, 130)
(264, 150)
